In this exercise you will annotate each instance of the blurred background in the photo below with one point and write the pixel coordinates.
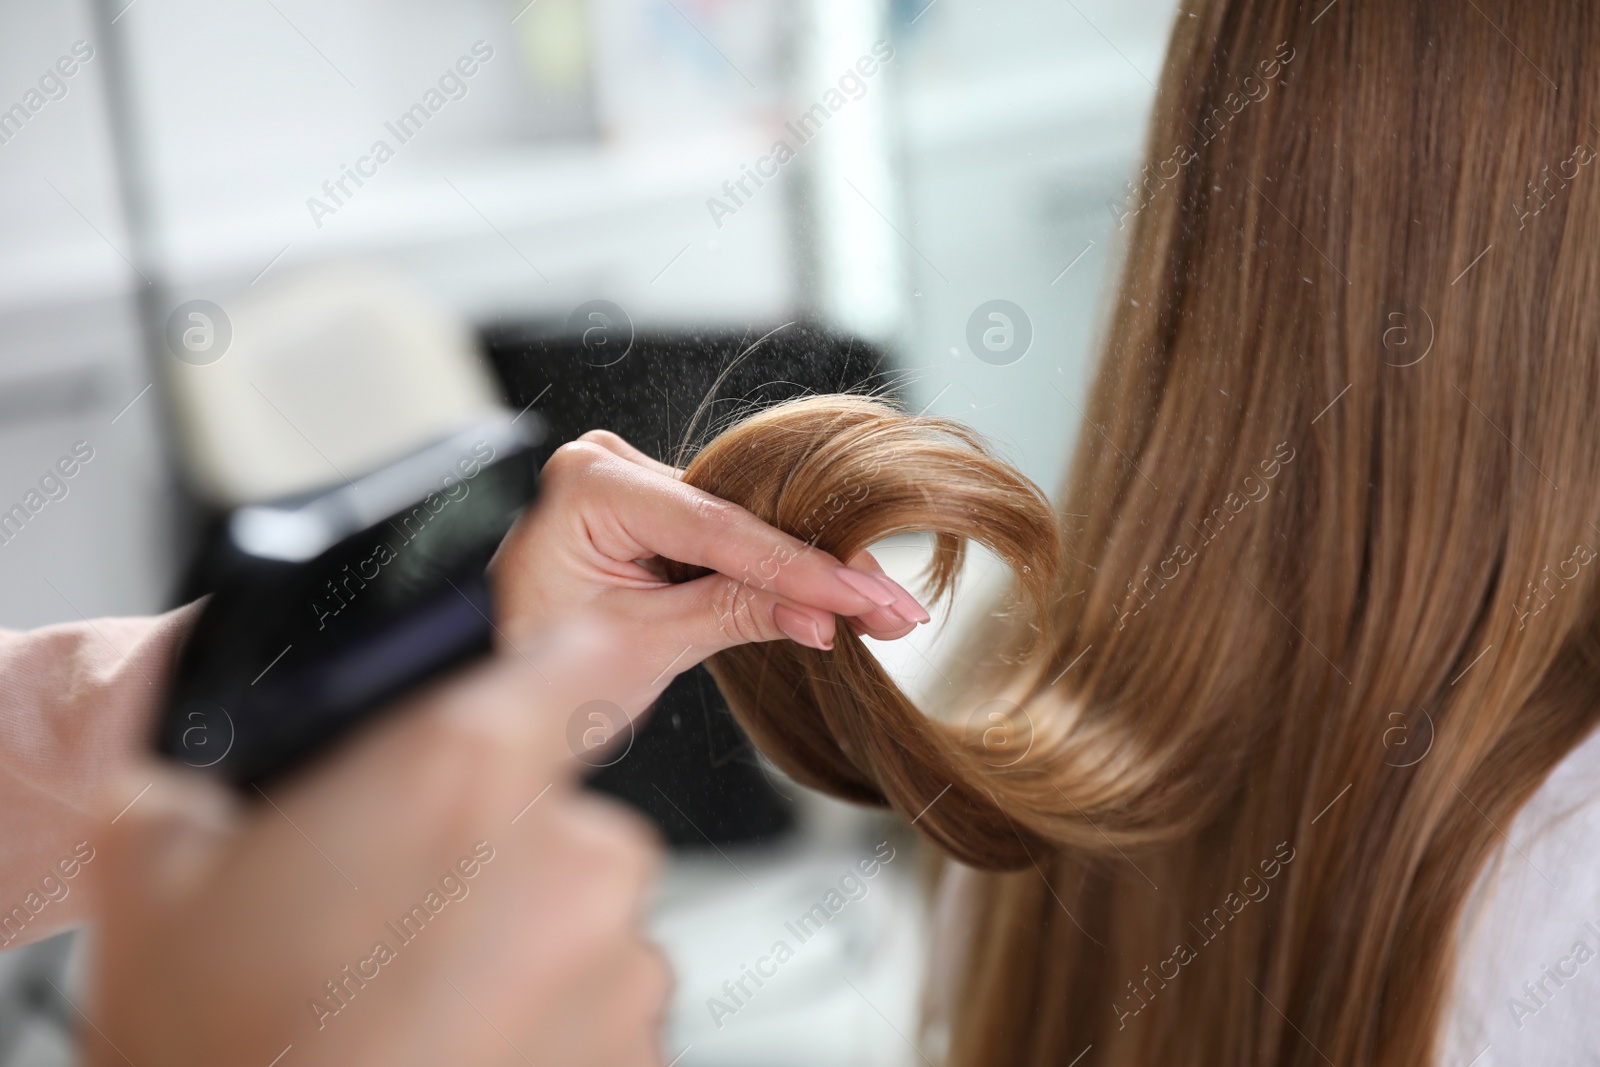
(593, 194)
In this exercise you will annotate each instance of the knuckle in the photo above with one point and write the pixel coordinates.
(614, 838)
(459, 720)
(740, 616)
(713, 510)
(636, 858)
(603, 438)
(573, 459)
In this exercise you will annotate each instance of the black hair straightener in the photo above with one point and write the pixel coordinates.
(329, 605)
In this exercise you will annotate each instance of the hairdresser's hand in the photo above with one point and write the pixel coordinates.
(509, 929)
(607, 513)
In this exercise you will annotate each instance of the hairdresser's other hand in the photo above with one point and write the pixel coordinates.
(509, 929)
(606, 515)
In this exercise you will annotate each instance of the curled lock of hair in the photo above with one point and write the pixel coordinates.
(842, 472)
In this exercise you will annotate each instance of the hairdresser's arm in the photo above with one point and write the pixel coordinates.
(76, 701)
(607, 513)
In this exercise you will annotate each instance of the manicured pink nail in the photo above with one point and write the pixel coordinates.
(800, 628)
(906, 605)
(883, 619)
(868, 586)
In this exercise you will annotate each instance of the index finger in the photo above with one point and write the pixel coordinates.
(619, 446)
(634, 512)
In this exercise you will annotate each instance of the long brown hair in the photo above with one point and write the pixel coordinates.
(1322, 618)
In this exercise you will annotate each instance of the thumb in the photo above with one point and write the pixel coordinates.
(716, 612)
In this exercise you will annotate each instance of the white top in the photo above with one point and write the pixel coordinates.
(1528, 979)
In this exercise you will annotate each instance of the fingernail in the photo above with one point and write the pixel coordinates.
(868, 586)
(906, 605)
(889, 618)
(799, 628)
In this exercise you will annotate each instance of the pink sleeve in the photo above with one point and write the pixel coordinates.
(76, 708)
